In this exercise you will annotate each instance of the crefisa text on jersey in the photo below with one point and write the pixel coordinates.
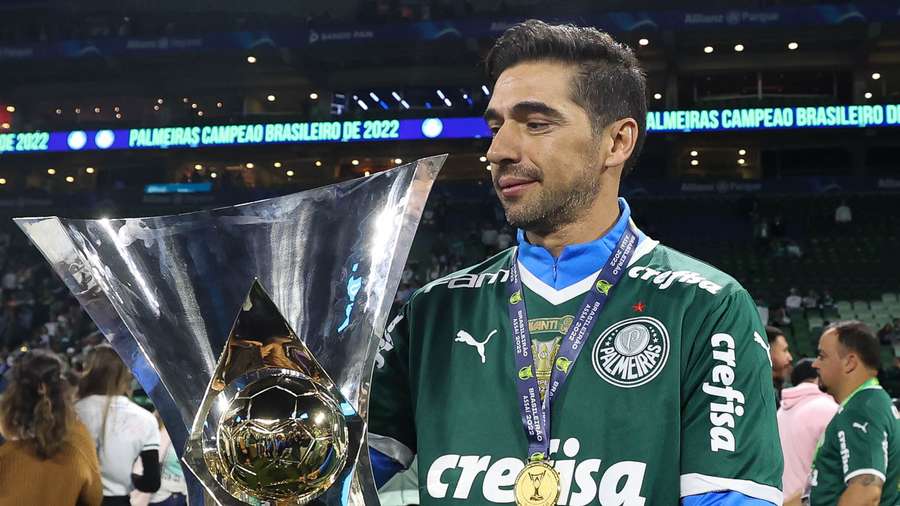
(723, 416)
(664, 279)
(581, 482)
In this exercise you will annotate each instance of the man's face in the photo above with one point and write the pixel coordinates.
(546, 161)
(829, 363)
(781, 358)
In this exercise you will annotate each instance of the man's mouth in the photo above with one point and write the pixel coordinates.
(512, 186)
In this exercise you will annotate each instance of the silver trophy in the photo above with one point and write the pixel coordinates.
(254, 328)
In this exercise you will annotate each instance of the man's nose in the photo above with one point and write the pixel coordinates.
(505, 146)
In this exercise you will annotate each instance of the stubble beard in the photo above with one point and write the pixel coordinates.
(553, 208)
(822, 386)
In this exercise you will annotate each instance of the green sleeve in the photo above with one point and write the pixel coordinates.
(729, 431)
(862, 439)
(391, 423)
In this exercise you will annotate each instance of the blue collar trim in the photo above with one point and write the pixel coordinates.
(577, 261)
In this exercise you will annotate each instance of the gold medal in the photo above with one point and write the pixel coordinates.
(537, 485)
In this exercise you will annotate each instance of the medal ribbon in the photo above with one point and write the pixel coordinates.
(535, 412)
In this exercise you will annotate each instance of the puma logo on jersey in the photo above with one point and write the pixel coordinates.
(765, 345)
(464, 337)
(862, 426)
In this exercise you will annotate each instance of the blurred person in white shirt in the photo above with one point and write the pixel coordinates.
(123, 431)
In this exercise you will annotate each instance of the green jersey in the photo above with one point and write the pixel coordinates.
(672, 395)
(862, 438)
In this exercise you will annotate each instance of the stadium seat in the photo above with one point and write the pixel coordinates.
(844, 308)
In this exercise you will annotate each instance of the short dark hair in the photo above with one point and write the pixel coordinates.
(772, 333)
(803, 371)
(609, 85)
(856, 336)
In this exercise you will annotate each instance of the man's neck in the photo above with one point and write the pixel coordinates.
(599, 219)
(851, 385)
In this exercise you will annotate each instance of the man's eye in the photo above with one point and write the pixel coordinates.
(536, 125)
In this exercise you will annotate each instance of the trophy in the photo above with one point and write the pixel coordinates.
(254, 328)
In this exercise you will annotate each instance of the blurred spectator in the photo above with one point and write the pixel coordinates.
(778, 227)
(408, 275)
(793, 301)
(504, 239)
(428, 217)
(434, 270)
(780, 354)
(763, 309)
(843, 215)
(792, 249)
(895, 336)
(122, 430)
(404, 293)
(173, 489)
(489, 236)
(886, 333)
(9, 281)
(779, 317)
(811, 301)
(49, 458)
(762, 234)
(804, 413)
(827, 299)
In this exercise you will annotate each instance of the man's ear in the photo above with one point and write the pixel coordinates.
(621, 137)
(851, 362)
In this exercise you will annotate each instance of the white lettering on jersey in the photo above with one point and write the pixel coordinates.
(845, 452)
(464, 337)
(723, 416)
(469, 280)
(619, 485)
(387, 342)
(472, 466)
(665, 279)
(433, 483)
(630, 493)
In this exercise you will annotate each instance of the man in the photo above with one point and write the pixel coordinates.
(858, 462)
(780, 355)
(804, 413)
(589, 362)
(793, 301)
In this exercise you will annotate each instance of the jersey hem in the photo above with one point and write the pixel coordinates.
(695, 483)
(858, 472)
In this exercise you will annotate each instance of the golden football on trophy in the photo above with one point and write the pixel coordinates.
(282, 436)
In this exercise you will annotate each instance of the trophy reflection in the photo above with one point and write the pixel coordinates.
(284, 434)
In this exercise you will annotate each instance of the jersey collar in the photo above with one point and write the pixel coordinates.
(577, 261)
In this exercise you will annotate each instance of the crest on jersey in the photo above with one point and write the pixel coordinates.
(632, 352)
